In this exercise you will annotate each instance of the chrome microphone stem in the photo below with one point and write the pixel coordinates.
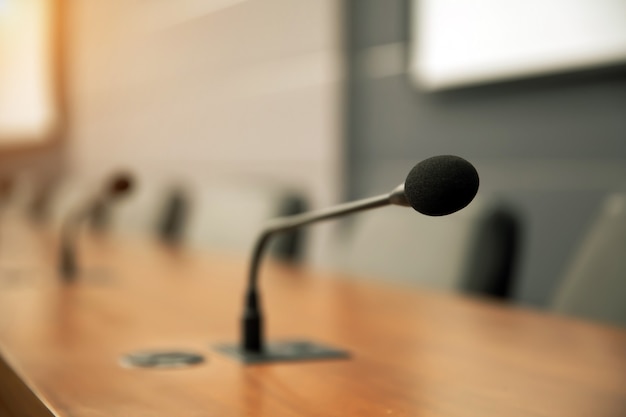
(68, 258)
(283, 224)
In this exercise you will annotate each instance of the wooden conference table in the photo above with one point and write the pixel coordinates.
(413, 353)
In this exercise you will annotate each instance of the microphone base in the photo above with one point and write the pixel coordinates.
(161, 359)
(283, 351)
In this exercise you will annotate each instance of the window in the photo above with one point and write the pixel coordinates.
(29, 110)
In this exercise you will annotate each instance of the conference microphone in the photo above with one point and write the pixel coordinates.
(437, 186)
(39, 205)
(6, 190)
(118, 186)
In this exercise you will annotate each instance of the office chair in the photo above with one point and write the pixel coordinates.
(229, 216)
(493, 252)
(55, 200)
(140, 213)
(475, 250)
(206, 215)
(594, 285)
(65, 196)
(172, 219)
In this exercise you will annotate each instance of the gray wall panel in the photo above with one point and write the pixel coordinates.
(554, 146)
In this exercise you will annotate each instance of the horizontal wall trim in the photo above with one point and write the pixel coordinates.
(534, 173)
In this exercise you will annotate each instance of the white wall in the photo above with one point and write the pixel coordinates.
(208, 89)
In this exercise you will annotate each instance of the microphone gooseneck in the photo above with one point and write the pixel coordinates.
(68, 266)
(119, 185)
(252, 332)
(457, 178)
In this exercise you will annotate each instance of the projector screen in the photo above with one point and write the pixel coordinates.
(28, 104)
(458, 43)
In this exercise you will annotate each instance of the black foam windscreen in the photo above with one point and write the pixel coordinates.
(119, 185)
(441, 185)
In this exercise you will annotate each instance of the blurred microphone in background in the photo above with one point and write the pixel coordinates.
(95, 209)
(6, 190)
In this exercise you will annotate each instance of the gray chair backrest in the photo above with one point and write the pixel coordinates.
(224, 215)
(141, 213)
(493, 252)
(172, 219)
(594, 285)
(229, 216)
(473, 250)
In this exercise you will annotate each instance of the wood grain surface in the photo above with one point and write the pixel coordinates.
(413, 352)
